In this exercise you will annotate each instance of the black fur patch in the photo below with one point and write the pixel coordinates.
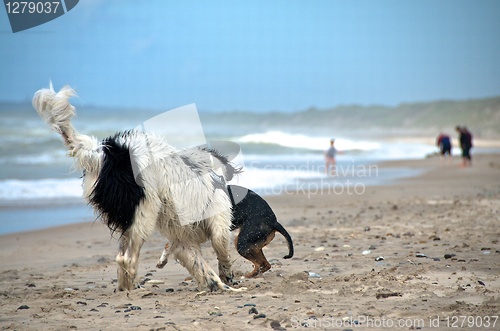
(255, 219)
(116, 195)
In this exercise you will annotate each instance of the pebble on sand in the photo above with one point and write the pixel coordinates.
(314, 275)
(253, 310)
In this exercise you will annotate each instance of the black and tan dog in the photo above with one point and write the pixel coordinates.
(257, 225)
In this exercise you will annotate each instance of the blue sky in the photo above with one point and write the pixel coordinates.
(258, 55)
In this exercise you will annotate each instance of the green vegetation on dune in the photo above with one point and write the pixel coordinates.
(482, 116)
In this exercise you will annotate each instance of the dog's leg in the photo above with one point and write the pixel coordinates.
(128, 262)
(261, 265)
(190, 258)
(120, 259)
(221, 243)
(254, 254)
(135, 250)
(164, 257)
(144, 223)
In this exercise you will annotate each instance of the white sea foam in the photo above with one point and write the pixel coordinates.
(373, 150)
(262, 171)
(401, 151)
(35, 159)
(306, 142)
(271, 177)
(14, 189)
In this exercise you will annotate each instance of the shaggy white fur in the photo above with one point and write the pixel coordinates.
(173, 192)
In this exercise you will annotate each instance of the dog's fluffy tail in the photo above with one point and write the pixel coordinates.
(289, 241)
(55, 109)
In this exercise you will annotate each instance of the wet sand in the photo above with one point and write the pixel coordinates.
(421, 253)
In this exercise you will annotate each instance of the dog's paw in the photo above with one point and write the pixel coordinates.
(161, 264)
(239, 289)
(227, 277)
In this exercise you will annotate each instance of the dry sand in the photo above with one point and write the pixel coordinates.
(63, 278)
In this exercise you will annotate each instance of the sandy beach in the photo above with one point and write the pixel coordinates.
(422, 253)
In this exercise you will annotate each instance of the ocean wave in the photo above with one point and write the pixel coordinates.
(261, 179)
(402, 151)
(14, 189)
(302, 141)
(56, 156)
(27, 139)
(307, 145)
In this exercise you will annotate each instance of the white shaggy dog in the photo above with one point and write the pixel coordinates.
(175, 192)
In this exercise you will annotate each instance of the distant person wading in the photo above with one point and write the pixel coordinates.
(330, 154)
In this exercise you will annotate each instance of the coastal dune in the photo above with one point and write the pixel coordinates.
(422, 252)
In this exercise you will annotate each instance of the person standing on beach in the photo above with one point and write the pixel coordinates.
(465, 140)
(330, 154)
(444, 143)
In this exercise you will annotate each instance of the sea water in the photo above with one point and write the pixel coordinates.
(39, 187)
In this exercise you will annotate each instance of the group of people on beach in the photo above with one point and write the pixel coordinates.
(465, 140)
(443, 142)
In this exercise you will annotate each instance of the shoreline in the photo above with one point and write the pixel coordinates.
(423, 249)
(55, 212)
(69, 211)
